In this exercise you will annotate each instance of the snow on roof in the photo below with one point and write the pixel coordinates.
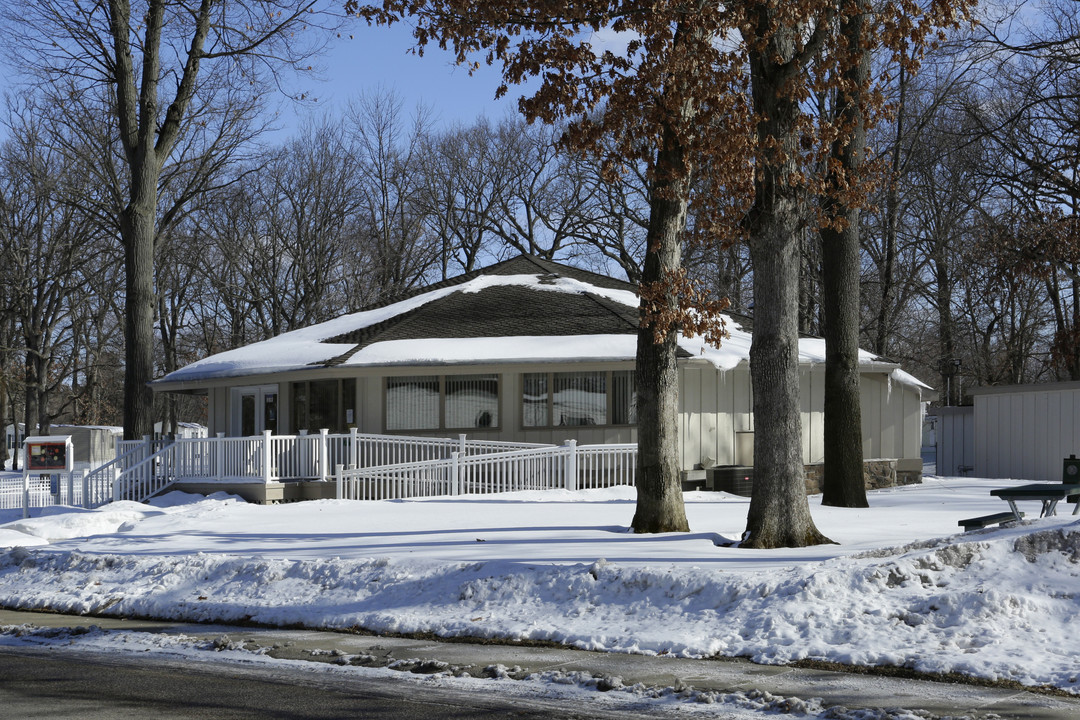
(322, 344)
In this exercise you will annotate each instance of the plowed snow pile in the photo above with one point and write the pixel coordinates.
(999, 604)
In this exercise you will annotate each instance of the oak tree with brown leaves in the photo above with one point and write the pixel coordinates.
(645, 104)
(705, 88)
(796, 50)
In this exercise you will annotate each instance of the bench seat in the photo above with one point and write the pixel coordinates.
(982, 521)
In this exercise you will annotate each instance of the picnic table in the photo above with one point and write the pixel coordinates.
(1049, 494)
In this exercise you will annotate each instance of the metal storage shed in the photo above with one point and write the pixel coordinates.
(1024, 431)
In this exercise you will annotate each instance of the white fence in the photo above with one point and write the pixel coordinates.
(379, 467)
(146, 467)
(38, 490)
(565, 466)
(270, 457)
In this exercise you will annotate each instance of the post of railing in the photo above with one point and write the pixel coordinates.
(266, 455)
(324, 454)
(455, 469)
(340, 482)
(219, 457)
(116, 489)
(86, 499)
(571, 464)
(301, 440)
(461, 444)
(354, 448)
(25, 492)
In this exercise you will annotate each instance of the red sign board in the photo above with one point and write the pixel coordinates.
(46, 456)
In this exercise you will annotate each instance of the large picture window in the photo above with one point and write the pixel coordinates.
(472, 401)
(329, 404)
(433, 402)
(412, 403)
(578, 399)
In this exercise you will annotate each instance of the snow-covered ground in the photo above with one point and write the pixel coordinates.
(902, 587)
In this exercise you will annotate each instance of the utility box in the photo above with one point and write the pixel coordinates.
(1070, 472)
(47, 454)
(734, 479)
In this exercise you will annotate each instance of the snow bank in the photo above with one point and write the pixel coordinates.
(996, 604)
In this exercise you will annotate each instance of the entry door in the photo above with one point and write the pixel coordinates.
(254, 409)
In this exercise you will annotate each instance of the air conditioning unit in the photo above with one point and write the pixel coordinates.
(734, 479)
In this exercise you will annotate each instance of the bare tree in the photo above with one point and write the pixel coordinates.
(546, 204)
(52, 247)
(309, 197)
(394, 193)
(155, 57)
(468, 173)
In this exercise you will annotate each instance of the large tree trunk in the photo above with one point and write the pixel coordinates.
(844, 485)
(779, 514)
(34, 382)
(137, 227)
(32, 395)
(843, 482)
(659, 488)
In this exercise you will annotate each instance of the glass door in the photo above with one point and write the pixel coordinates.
(254, 409)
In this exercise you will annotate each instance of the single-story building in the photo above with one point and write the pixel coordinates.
(524, 350)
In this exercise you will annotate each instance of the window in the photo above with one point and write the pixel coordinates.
(623, 398)
(534, 399)
(319, 404)
(578, 398)
(412, 403)
(434, 402)
(323, 405)
(472, 401)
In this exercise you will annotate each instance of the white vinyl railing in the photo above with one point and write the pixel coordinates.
(600, 466)
(101, 483)
(19, 492)
(378, 466)
(146, 467)
(270, 457)
(538, 468)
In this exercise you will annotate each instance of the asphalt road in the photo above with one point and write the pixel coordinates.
(59, 680)
(56, 683)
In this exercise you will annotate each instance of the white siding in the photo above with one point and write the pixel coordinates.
(1026, 432)
(716, 405)
(217, 411)
(955, 440)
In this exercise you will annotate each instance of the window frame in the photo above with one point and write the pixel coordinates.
(609, 394)
(345, 395)
(441, 425)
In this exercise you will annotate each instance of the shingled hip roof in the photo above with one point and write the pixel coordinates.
(521, 310)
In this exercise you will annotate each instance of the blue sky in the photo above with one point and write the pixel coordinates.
(378, 57)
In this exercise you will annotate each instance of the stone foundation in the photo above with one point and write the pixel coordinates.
(877, 473)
